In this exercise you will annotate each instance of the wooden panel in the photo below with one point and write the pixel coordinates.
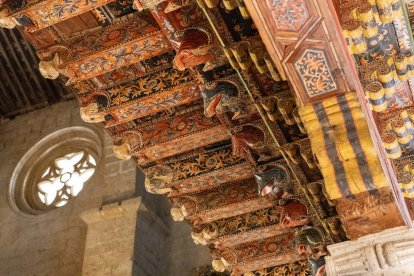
(305, 44)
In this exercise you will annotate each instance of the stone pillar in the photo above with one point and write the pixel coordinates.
(109, 244)
(390, 252)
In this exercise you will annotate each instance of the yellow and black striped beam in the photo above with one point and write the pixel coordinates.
(341, 142)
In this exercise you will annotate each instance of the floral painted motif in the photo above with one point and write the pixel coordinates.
(47, 13)
(130, 53)
(238, 224)
(151, 105)
(313, 70)
(148, 85)
(298, 268)
(101, 39)
(255, 250)
(224, 195)
(209, 161)
(289, 15)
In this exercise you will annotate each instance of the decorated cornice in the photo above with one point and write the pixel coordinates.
(39, 14)
(160, 139)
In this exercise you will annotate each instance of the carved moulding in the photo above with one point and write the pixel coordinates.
(385, 253)
(342, 144)
(33, 17)
(405, 167)
(242, 54)
(281, 106)
(228, 5)
(297, 151)
(385, 82)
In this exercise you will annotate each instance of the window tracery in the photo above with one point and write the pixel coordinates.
(65, 178)
(55, 170)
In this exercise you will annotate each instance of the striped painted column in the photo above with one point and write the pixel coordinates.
(341, 142)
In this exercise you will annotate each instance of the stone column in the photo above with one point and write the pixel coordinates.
(109, 244)
(390, 252)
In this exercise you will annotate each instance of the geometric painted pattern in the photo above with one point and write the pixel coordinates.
(289, 15)
(313, 70)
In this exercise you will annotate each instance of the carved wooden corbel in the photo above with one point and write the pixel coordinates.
(5, 20)
(204, 236)
(179, 213)
(269, 104)
(50, 68)
(286, 107)
(158, 179)
(220, 265)
(91, 113)
(291, 152)
(310, 242)
(194, 48)
(241, 53)
(307, 155)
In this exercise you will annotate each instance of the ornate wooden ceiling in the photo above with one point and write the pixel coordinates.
(22, 87)
(259, 152)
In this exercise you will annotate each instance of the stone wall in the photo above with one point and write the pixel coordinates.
(53, 243)
(109, 245)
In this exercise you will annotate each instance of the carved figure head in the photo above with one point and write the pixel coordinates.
(310, 241)
(49, 68)
(247, 139)
(158, 179)
(217, 94)
(273, 181)
(193, 57)
(91, 113)
(294, 213)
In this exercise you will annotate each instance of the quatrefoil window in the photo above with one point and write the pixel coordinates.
(65, 178)
(55, 170)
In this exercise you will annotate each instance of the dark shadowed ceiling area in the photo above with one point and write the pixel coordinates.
(22, 88)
